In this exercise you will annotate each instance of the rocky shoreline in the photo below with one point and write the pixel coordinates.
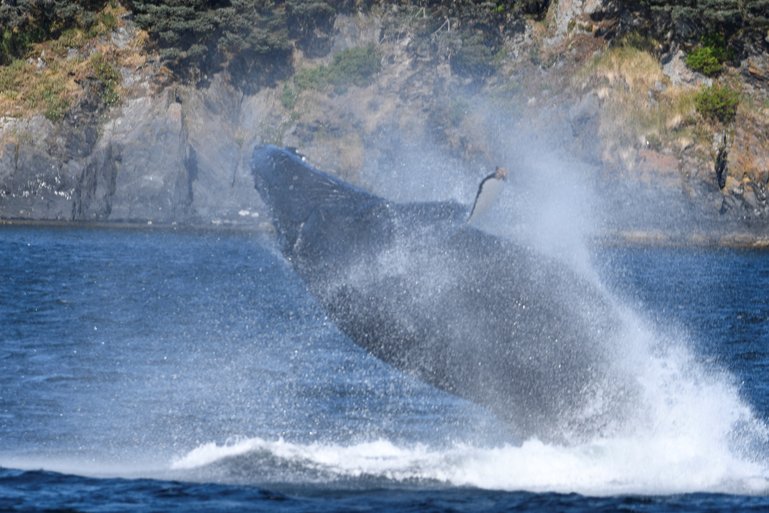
(618, 239)
(170, 153)
(737, 240)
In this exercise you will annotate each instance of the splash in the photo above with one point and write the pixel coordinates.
(691, 432)
(570, 364)
(641, 464)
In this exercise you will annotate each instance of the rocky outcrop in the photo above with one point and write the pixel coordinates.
(171, 153)
(37, 180)
(176, 156)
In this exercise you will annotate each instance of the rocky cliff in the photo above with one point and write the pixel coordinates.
(601, 89)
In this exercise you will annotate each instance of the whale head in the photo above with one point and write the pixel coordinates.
(314, 213)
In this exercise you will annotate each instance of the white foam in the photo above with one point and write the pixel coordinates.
(646, 465)
(690, 432)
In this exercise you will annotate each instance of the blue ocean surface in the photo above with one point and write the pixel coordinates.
(183, 370)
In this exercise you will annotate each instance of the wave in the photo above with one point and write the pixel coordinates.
(690, 431)
(602, 467)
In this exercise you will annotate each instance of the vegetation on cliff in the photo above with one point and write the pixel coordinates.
(709, 57)
(740, 25)
(717, 103)
(661, 88)
(253, 40)
(27, 22)
(61, 56)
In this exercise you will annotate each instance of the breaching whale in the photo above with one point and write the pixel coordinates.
(473, 314)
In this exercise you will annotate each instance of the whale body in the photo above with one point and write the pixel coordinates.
(475, 315)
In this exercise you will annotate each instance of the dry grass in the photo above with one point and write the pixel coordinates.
(627, 67)
(644, 113)
(49, 81)
(641, 108)
(749, 157)
(26, 90)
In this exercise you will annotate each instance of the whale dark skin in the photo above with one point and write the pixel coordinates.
(473, 314)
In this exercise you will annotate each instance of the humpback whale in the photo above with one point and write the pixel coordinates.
(476, 315)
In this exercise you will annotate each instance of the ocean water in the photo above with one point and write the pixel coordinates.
(162, 370)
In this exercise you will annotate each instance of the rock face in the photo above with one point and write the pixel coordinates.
(165, 158)
(169, 157)
(171, 153)
(37, 180)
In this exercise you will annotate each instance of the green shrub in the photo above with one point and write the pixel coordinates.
(108, 20)
(704, 60)
(639, 41)
(56, 105)
(709, 57)
(252, 39)
(355, 66)
(108, 77)
(288, 97)
(32, 21)
(10, 76)
(352, 66)
(717, 103)
(13, 45)
(316, 78)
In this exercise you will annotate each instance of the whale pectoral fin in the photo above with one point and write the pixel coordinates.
(488, 192)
